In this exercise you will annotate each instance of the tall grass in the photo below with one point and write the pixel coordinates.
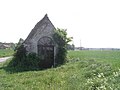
(85, 70)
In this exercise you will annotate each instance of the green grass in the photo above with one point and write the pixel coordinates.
(110, 57)
(6, 52)
(85, 70)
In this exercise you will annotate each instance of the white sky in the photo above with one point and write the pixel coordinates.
(95, 22)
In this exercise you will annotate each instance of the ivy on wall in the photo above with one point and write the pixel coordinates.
(24, 61)
(61, 39)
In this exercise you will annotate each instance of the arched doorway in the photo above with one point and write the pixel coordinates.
(46, 51)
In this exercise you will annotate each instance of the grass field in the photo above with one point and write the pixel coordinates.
(6, 52)
(85, 70)
(110, 57)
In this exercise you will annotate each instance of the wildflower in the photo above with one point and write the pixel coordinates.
(115, 74)
(102, 87)
(89, 81)
(102, 74)
(99, 75)
(119, 69)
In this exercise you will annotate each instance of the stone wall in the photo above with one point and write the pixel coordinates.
(41, 29)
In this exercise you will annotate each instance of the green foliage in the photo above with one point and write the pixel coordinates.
(19, 44)
(33, 60)
(61, 39)
(19, 57)
(24, 61)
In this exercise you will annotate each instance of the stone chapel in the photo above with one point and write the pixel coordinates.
(40, 40)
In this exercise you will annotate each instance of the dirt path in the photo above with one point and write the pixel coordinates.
(4, 58)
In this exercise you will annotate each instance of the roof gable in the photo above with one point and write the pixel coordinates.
(40, 25)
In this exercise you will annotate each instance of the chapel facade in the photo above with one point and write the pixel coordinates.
(41, 42)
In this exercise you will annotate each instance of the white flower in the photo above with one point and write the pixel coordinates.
(99, 75)
(115, 74)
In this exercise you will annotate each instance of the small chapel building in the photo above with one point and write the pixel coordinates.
(40, 41)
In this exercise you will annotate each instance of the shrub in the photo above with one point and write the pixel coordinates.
(24, 60)
(19, 57)
(32, 60)
(61, 39)
(18, 44)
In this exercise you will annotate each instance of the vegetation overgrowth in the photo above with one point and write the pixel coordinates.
(84, 70)
(61, 39)
(6, 52)
(23, 60)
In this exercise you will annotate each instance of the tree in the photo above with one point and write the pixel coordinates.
(61, 39)
(19, 43)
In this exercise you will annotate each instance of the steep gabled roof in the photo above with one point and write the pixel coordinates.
(39, 24)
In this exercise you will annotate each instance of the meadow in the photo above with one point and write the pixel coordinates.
(6, 52)
(84, 70)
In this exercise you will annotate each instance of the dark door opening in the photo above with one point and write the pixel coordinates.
(46, 51)
(47, 55)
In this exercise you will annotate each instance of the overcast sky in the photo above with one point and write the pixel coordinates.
(95, 22)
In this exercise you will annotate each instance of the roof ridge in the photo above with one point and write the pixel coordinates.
(33, 31)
